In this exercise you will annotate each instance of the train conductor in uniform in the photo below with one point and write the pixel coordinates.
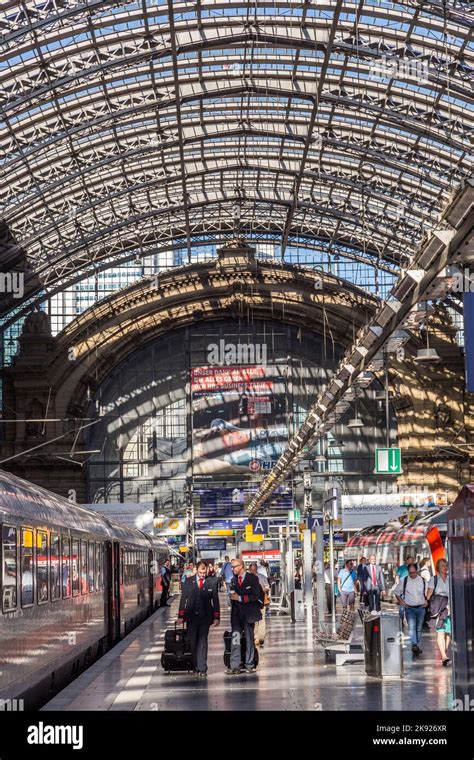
(247, 601)
(199, 608)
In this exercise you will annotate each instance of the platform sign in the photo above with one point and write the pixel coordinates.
(388, 461)
(234, 523)
(314, 522)
(250, 536)
(211, 544)
(294, 515)
(260, 525)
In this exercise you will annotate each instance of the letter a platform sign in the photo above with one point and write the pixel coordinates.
(260, 526)
(388, 461)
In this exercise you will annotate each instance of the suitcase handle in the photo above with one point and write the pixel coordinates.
(176, 624)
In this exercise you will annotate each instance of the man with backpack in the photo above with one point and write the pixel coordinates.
(411, 595)
(347, 584)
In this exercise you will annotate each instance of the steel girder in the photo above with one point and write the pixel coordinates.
(454, 232)
(128, 120)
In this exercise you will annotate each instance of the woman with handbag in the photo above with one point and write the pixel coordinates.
(260, 626)
(439, 612)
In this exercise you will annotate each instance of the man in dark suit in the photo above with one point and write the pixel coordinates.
(199, 608)
(360, 577)
(247, 602)
(374, 583)
(165, 584)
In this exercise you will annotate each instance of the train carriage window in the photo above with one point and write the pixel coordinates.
(102, 554)
(125, 563)
(26, 566)
(9, 597)
(98, 571)
(42, 586)
(66, 566)
(55, 568)
(122, 563)
(83, 567)
(75, 567)
(91, 566)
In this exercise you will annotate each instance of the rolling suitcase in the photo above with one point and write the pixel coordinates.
(176, 655)
(243, 649)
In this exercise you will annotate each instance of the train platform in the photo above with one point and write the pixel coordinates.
(293, 675)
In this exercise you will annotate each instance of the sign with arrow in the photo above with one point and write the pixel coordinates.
(388, 461)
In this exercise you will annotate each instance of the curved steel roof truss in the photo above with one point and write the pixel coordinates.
(127, 127)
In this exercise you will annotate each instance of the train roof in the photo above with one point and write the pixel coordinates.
(395, 530)
(461, 514)
(20, 498)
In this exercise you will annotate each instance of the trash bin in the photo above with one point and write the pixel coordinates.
(296, 605)
(383, 645)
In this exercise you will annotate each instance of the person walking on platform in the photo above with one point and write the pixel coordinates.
(199, 608)
(439, 611)
(165, 584)
(360, 580)
(189, 572)
(211, 570)
(329, 589)
(347, 585)
(374, 583)
(245, 596)
(411, 594)
(260, 625)
(402, 573)
(425, 573)
(227, 574)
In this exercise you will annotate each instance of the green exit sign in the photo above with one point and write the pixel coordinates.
(388, 461)
(294, 516)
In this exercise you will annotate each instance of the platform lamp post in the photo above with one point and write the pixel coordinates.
(387, 401)
(190, 520)
(307, 547)
(331, 512)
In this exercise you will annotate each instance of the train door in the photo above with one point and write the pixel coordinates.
(113, 589)
(151, 579)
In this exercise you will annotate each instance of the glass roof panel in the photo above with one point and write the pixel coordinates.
(131, 125)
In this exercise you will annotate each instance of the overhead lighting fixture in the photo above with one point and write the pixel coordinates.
(427, 355)
(356, 422)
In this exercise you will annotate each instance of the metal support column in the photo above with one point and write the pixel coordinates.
(331, 561)
(283, 606)
(319, 567)
(308, 575)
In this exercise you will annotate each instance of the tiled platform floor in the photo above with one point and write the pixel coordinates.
(292, 675)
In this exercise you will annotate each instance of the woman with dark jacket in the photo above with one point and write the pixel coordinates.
(438, 593)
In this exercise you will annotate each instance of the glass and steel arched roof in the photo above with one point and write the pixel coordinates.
(128, 128)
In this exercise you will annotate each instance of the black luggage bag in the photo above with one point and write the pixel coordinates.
(243, 649)
(177, 655)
